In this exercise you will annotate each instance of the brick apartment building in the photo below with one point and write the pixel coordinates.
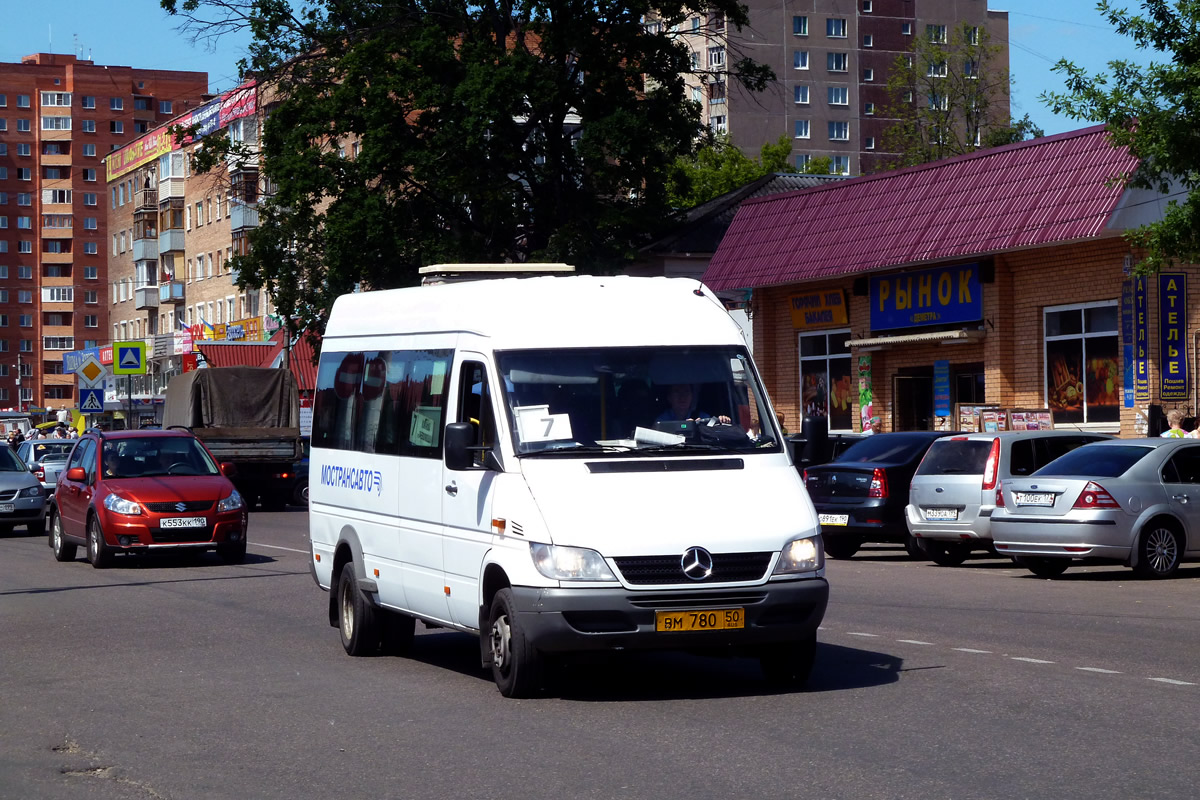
(59, 117)
(832, 60)
(892, 295)
(172, 236)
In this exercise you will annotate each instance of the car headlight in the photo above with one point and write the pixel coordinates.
(800, 555)
(120, 505)
(32, 491)
(570, 563)
(231, 503)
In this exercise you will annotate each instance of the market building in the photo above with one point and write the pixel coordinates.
(987, 291)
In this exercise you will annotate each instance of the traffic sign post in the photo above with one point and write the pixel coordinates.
(91, 401)
(129, 358)
(90, 375)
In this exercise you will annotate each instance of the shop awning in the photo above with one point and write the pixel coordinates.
(879, 342)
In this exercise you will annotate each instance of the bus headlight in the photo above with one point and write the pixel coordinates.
(800, 555)
(570, 563)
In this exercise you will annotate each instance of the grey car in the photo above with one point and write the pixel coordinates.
(46, 458)
(1133, 502)
(953, 492)
(22, 498)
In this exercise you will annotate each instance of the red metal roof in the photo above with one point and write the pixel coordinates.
(300, 360)
(233, 354)
(1030, 193)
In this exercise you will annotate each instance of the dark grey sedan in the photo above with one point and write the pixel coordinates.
(22, 498)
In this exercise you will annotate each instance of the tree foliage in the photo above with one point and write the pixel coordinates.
(1154, 111)
(945, 97)
(402, 134)
(719, 167)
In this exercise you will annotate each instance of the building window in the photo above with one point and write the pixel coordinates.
(90, 248)
(89, 198)
(936, 34)
(825, 375)
(24, 149)
(25, 320)
(716, 57)
(839, 165)
(1082, 362)
(23, 126)
(116, 126)
(869, 110)
(802, 129)
(936, 69)
(801, 94)
(867, 7)
(802, 160)
(165, 106)
(972, 35)
(25, 272)
(91, 273)
(3, 101)
(116, 104)
(88, 126)
(940, 102)
(25, 246)
(24, 295)
(56, 123)
(89, 223)
(971, 69)
(3, 124)
(868, 40)
(837, 62)
(868, 75)
(835, 28)
(22, 101)
(906, 29)
(718, 124)
(838, 95)
(27, 347)
(869, 143)
(91, 297)
(89, 175)
(87, 101)
(799, 59)
(716, 96)
(91, 321)
(839, 131)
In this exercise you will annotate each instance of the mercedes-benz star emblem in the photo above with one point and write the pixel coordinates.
(697, 563)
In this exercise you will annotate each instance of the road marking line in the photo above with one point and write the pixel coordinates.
(1030, 660)
(277, 547)
(970, 650)
(870, 635)
(1102, 671)
(914, 641)
(1172, 682)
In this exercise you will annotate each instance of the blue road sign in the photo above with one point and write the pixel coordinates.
(91, 401)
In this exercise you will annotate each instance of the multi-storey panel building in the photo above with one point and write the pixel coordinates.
(832, 60)
(59, 117)
(174, 233)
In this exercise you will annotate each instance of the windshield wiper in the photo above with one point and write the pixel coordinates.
(575, 449)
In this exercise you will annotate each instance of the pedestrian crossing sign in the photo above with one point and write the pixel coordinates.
(91, 401)
(129, 358)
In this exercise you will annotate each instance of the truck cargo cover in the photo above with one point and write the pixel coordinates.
(233, 397)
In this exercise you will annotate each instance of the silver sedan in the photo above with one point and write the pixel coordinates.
(1130, 501)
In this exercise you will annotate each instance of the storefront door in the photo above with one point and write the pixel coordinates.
(913, 403)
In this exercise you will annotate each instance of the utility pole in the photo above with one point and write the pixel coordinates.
(20, 403)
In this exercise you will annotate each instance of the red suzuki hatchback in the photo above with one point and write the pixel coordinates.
(138, 491)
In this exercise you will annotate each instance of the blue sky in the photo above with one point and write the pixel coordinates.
(138, 33)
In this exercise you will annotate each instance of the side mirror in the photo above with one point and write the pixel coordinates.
(459, 438)
(76, 474)
(228, 469)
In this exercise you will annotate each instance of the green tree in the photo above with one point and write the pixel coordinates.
(818, 166)
(511, 132)
(718, 167)
(1154, 111)
(946, 97)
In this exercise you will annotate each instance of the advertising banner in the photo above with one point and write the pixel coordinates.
(818, 309)
(1127, 342)
(1172, 336)
(941, 388)
(1141, 341)
(938, 296)
(866, 399)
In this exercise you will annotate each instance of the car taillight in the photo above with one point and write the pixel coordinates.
(999, 494)
(40, 474)
(878, 484)
(991, 467)
(1095, 496)
(806, 477)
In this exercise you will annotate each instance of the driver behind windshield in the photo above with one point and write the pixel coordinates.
(681, 406)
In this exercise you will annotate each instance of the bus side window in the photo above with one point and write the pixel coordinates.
(475, 405)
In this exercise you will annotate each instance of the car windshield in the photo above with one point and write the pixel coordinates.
(44, 450)
(635, 400)
(10, 463)
(1096, 461)
(886, 447)
(147, 456)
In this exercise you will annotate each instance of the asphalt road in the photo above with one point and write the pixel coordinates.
(176, 679)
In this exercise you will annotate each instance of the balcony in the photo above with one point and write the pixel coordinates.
(145, 249)
(171, 292)
(170, 187)
(56, 233)
(51, 379)
(170, 241)
(145, 198)
(56, 159)
(242, 215)
(146, 297)
(57, 258)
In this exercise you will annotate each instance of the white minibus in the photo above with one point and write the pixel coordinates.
(557, 465)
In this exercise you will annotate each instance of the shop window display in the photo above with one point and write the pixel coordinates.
(1083, 378)
(826, 387)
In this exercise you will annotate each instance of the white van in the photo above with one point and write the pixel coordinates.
(557, 464)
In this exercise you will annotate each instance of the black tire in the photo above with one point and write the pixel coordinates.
(841, 546)
(6, 530)
(358, 619)
(517, 667)
(300, 495)
(274, 502)
(912, 546)
(98, 553)
(945, 554)
(787, 666)
(1044, 567)
(233, 553)
(63, 550)
(1160, 550)
(396, 633)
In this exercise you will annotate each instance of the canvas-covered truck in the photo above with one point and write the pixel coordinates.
(247, 416)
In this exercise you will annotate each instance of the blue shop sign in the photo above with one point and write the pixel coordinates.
(937, 296)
